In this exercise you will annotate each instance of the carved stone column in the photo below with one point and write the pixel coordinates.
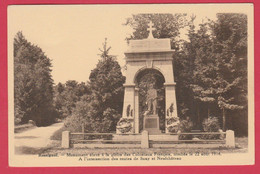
(136, 111)
(170, 106)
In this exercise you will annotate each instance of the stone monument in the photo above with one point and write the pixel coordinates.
(156, 55)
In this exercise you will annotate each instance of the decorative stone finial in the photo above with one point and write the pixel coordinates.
(150, 29)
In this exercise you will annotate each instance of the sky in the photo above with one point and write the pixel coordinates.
(71, 35)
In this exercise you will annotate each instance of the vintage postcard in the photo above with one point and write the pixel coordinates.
(131, 85)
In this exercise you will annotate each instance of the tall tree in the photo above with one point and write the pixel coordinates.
(101, 109)
(196, 71)
(204, 71)
(219, 78)
(33, 84)
(106, 85)
(184, 60)
(230, 33)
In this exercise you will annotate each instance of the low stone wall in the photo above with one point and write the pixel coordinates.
(163, 137)
(145, 140)
(106, 145)
(134, 137)
(187, 146)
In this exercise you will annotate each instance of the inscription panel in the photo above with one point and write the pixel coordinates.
(149, 44)
(151, 123)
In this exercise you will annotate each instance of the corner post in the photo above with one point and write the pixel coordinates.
(145, 140)
(230, 138)
(65, 141)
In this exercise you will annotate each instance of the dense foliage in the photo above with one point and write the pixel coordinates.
(211, 124)
(185, 126)
(219, 77)
(33, 84)
(67, 95)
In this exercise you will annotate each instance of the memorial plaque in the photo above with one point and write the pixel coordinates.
(151, 123)
(149, 45)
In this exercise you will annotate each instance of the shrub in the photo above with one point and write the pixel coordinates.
(79, 117)
(73, 123)
(211, 124)
(185, 126)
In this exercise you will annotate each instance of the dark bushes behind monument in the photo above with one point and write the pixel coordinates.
(211, 124)
(185, 126)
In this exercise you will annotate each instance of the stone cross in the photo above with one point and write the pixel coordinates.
(150, 29)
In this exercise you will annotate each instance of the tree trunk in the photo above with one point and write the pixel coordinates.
(224, 119)
(198, 115)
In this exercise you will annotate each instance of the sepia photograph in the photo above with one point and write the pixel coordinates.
(131, 85)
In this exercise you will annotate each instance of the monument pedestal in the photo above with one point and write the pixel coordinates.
(151, 124)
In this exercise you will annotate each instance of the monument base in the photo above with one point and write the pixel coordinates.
(151, 124)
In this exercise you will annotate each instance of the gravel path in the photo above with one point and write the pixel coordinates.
(35, 139)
